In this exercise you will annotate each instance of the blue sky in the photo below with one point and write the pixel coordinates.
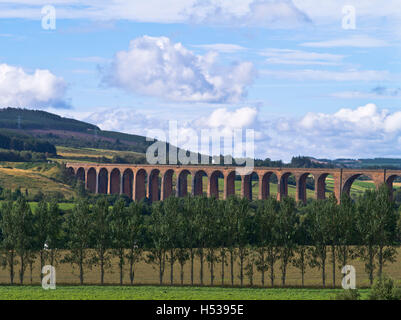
(290, 70)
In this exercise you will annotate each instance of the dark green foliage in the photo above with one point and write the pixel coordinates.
(384, 289)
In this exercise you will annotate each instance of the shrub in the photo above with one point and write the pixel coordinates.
(384, 289)
(349, 294)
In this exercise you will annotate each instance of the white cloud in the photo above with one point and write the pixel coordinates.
(298, 57)
(356, 42)
(366, 131)
(266, 13)
(221, 47)
(157, 67)
(40, 89)
(325, 75)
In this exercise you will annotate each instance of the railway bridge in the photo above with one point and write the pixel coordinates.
(157, 182)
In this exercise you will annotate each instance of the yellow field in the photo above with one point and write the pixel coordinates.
(34, 180)
(146, 274)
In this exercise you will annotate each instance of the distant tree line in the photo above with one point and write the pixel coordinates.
(265, 236)
(17, 143)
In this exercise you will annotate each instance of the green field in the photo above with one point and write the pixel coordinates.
(164, 293)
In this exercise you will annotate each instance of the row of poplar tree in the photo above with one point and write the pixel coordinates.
(265, 236)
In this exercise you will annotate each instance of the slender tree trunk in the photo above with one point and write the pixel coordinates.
(131, 270)
(31, 270)
(182, 273)
(101, 267)
(121, 264)
(192, 265)
(262, 271)
(22, 269)
(211, 273)
(11, 263)
(52, 256)
(81, 268)
(201, 265)
(42, 263)
(272, 274)
(333, 261)
(284, 271)
(241, 273)
(232, 266)
(324, 272)
(380, 260)
(172, 258)
(371, 264)
(223, 255)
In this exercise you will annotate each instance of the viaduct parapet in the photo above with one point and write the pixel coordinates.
(156, 181)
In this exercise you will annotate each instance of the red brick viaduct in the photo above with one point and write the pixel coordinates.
(156, 181)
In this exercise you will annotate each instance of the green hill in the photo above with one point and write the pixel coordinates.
(66, 132)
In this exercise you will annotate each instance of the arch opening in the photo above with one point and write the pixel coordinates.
(115, 181)
(128, 183)
(355, 185)
(183, 178)
(216, 185)
(154, 187)
(81, 174)
(140, 184)
(199, 185)
(168, 184)
(91, 184)
(103, 181)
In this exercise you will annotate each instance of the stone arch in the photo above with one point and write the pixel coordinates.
(182, 183)
(213, 187)
(346, 188)
(81, 174)
(71, 171)
(91, 184)
(198, 188)
(154, 185)
(282, 186)
(390, 182)
(103, 181)
(140, 184)
(115, 181)
(247, 185)
(301, 187)
(167, 184)
(320, 186)
(229, 184)
(264, 186)
(128, 182)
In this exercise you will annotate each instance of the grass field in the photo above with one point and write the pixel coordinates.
(32, 178)
(164, 293)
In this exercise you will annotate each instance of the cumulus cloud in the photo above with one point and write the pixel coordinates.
(155, 66)
(40, 89)
(365, 131)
